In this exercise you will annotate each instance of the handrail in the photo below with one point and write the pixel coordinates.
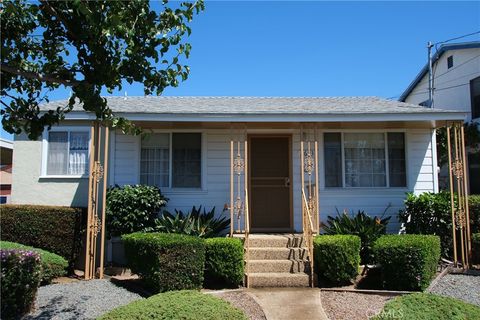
(247, 240)
(308, 231)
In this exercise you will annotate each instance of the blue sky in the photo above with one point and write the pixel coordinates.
(280, 48)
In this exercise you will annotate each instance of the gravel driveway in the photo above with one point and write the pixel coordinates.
(460, 286)
(79, 300)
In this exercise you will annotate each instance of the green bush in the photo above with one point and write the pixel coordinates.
(166, 261)
(430, 213)
(427, 306)
(55, 229)
(193, 223)
(53, 266)
(224, 261)
(408, 262)
(177, 305)
(19, 280)
(133, 208)
(337, 257)
(476, 248)
(474, 211)
(362, 225)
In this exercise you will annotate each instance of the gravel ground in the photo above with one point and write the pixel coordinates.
(460, 286)
(352, 305)
(79, 300)
(244, 302)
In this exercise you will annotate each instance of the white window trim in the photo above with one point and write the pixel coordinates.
(203, 167)
(43, 171)
(385, 132)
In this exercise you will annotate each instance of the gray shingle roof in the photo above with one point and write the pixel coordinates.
(256, 105)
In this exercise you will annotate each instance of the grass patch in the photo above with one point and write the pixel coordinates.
(176, 305)
(427, 306)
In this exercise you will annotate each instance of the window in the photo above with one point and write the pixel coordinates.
(171, 160)
(475, 97)
(155, 159)
(67, 153)
(449, 62)
(368, 160)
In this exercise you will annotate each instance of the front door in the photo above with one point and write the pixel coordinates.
(270, 183)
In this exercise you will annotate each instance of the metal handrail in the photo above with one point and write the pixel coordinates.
(308, 231)
(247, 233)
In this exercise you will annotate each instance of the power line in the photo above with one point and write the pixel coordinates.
(455, 67)
(456, 38)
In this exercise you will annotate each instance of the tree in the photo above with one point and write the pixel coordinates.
(87, 46)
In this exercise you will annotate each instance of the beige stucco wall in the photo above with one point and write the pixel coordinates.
(29, 188)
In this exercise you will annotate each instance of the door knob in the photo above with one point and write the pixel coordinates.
(287, 182)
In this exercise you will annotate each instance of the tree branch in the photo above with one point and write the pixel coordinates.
(43, 78)
(54, 13)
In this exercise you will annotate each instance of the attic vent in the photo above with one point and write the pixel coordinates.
(450, 62)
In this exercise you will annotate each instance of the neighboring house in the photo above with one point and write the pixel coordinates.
(371, 151)
(456, 86)
(6, 155)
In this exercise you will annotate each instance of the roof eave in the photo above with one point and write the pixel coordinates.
(274, 117)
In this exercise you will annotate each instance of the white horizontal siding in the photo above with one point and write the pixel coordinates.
(216, 191)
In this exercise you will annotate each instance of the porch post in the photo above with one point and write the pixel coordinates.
(96, 173)
(460, 211)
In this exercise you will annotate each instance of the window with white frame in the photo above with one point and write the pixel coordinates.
(67, 153)
(171, 160)
(364, 160)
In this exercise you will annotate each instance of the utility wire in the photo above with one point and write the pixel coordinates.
(460, 37)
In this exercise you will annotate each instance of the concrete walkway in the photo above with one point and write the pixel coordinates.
(289, 303)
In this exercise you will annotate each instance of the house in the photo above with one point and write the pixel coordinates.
(355, 153)
(6, 155)
(456, 86)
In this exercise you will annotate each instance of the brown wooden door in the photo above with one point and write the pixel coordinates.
(270, 183)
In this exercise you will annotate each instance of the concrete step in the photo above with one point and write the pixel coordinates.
(276, 240)
(256, 253)
(272, 279)
(287, 266)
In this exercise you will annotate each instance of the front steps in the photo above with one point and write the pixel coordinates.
(277, 260)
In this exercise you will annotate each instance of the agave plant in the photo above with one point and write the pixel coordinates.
(367, 228)
(195, 223)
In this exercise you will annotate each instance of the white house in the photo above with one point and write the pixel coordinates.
(456, 86)
(369, 151)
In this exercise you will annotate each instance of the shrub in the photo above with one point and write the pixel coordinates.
(176, 305)
(408, 262)
(132, 208)
(337, 257)
(476, 248)
(194, 223)
(53, 265)
(362, 225)
(430, 213)
(427, 306)
(19, 281)
(474, 211)
(166, 261)
(55, 229)
(223, 261)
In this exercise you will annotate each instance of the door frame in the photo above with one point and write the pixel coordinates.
(290, 173)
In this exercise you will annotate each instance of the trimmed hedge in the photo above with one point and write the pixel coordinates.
(177, 305)
(19, 280)
(224, 261)
(408, 262)
(166, 261)
(476, 248)
(55, 229)
(53, 266)
(427, 306)
(474, 212)
(337, 257)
